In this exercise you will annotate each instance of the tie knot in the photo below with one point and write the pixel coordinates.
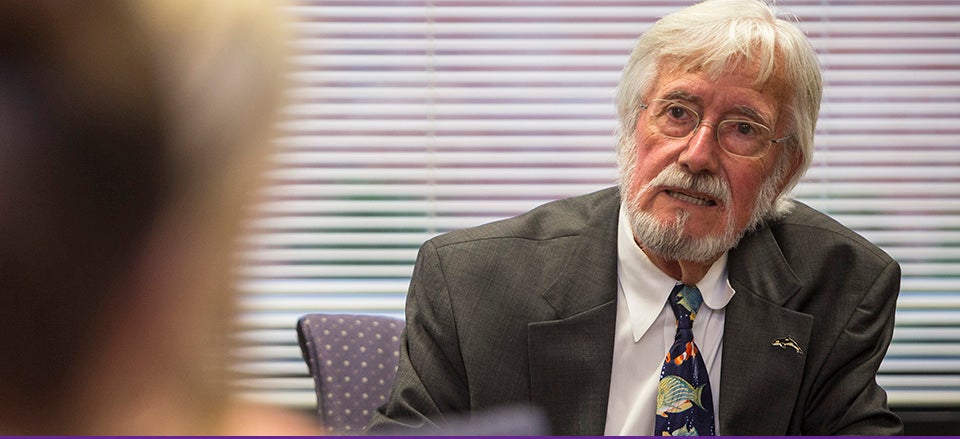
(685, 301)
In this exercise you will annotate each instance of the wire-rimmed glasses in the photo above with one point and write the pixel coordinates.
(736, 136)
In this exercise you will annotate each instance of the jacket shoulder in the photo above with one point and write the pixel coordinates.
(810, 228)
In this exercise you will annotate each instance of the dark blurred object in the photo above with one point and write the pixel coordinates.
(131, 135)
(928, 421)
(353, 360)
(507, 420)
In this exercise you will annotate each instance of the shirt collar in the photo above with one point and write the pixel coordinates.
(646, 288)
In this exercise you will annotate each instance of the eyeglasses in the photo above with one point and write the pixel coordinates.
(735, 136)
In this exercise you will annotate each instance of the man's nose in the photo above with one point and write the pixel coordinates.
(702, 150)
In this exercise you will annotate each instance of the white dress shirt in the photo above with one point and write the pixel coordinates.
(645, 330)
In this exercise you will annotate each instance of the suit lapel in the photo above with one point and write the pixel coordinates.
(570, 363)
(758, 376)
(571, 357)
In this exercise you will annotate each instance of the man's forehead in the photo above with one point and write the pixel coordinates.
(742, 71)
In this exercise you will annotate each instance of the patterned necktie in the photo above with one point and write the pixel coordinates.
(684, 400)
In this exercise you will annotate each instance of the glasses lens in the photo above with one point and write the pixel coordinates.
(742, 137)
(739, 137)
(673, 119)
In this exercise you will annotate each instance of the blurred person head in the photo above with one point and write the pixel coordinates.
(716, 61)
(131, 134)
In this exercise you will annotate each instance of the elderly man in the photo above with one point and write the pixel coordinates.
(696, 298)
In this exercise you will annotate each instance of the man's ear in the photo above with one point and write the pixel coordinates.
(795, 160)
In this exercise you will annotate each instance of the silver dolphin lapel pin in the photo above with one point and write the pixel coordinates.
(788, 342)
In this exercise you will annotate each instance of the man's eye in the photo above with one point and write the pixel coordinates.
(746, 129)
(678, 112)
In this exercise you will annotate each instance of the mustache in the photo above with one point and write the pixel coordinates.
(708, 184)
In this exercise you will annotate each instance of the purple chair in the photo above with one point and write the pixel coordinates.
(353, 360)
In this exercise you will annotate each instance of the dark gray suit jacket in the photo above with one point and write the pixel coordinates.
(523, 310)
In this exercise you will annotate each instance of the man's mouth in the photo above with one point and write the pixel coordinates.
(690, 198)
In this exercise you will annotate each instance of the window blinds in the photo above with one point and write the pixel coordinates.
(412, 118)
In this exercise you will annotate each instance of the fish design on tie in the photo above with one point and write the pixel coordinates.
(688, 353)
(675, 394)
(690, 302)
(683, 431)
(684, 398)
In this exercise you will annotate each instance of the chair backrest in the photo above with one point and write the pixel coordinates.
(353, 360)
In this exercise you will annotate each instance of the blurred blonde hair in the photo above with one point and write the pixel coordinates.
(131, 133)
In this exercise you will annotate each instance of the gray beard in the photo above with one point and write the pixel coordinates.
(668, 240)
